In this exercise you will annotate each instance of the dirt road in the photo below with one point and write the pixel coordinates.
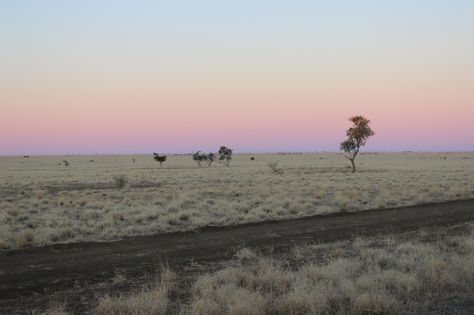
(30, 277)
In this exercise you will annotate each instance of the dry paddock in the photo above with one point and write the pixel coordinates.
(43, 201)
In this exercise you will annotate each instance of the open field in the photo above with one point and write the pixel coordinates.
(45, 202)
(81, 276)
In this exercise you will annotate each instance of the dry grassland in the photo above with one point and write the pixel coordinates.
(42, 201)
(412, 273)
(367, 276)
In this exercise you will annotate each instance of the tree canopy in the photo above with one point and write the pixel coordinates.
(357, 136)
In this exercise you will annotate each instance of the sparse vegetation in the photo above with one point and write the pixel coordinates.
(384, 276)
(54, 308)
(24, 239)
(153, 299)
(120, 181)
(82, 206)
(66, 163)
(273, 165)
(389, 275)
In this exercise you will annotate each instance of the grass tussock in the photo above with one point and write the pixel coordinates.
(398, 278)
(120, 181)
(24, 239)
(53, 309)
(151, 300)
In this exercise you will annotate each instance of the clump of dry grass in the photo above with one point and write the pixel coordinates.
(53, 309)
(120, 181)
(119, 278)
(3, 244)
(151, 300)
(246, 254)
(24, 239)
(396, 278)
(273, 165)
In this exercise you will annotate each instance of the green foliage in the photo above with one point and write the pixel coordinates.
(159, 158)
(199, 157)
(357, 136)
(225, 155)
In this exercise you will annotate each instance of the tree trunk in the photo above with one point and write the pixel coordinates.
(353, 166)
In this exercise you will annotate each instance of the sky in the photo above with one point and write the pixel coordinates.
(86, 77)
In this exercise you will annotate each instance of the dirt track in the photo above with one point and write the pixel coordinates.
(29, 278)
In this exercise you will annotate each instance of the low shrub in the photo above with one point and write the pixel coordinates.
(120, 181)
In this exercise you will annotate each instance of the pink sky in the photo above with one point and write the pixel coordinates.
(272, 119)
(77, 79)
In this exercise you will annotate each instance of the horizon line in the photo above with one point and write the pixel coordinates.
(246, 152)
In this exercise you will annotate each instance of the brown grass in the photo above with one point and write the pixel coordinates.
(53, 309)
(81, 202)
(24, 239)
(394, 277)
(390, 275)
(151, 300)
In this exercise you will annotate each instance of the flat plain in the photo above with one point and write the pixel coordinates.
(410, 260)
(45, 200)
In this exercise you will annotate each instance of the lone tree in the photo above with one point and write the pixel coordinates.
(225, 155)
(357, 136)
(159, 158)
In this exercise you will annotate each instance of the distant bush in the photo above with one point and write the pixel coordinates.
(200, 157)
(66, 163)
(159, 158)
(252, 158)
(273, 165)
(225, 155)
(120, 181)
(210, 157)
